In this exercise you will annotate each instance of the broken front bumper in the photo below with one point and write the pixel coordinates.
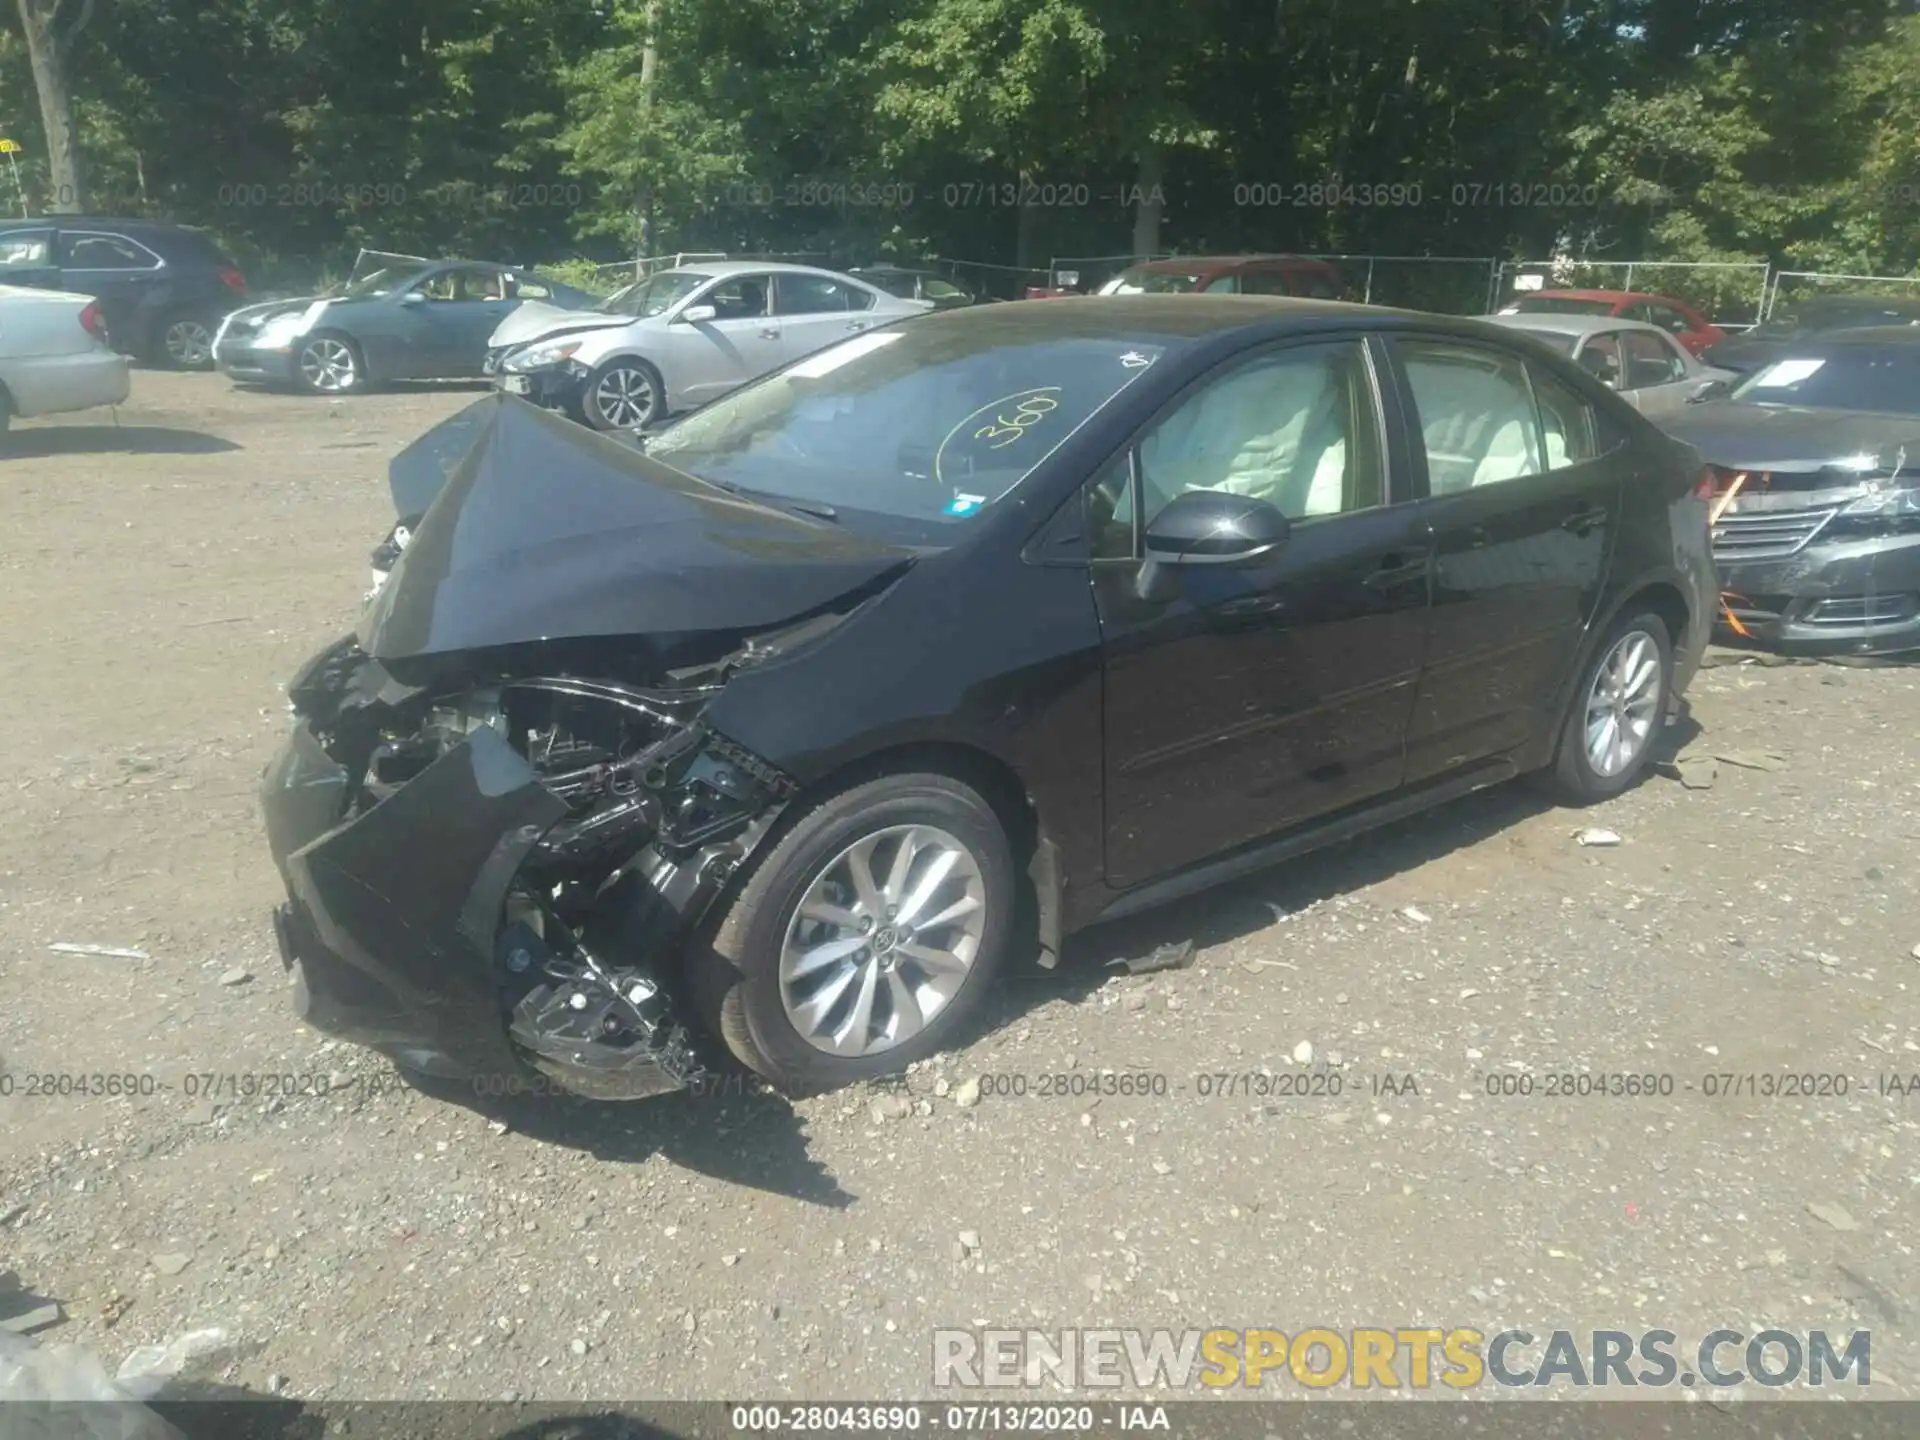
(1834, 597)
(397, 930)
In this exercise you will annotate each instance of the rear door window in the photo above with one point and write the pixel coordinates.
(98, 250)
(813, 295)
(25, 249)
(1476, 415)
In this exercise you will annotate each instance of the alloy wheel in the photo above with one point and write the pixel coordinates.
(883, 938)
(189, 343)
(624, 397)
(328, 365)
(1623, 704)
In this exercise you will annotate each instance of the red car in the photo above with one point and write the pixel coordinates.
(1680, 320)
(1218, 275)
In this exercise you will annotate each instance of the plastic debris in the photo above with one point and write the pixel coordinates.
(1753, 759)
(1834, 1215)
(117, 952)
(39, 1388)
(1415, 914)
(1595, 836)
(1177, 956)
(151, 1366)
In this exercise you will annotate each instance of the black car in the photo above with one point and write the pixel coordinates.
(929, 285)
(1817, 528)
(399, 318)
(1794, 324)
(798, 717)
(163, 288)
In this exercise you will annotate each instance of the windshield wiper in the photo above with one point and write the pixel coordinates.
(819, 509)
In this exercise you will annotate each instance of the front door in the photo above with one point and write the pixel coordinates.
(1522, 507)
(707, 358)
(1256, 698)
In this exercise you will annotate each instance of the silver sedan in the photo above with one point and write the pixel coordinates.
(1643, 362)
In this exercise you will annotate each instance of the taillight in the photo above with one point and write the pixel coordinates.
(93, 322)
(1708, 485)
(233, 280)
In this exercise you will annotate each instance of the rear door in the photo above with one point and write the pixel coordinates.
(122, 274)
(816, 310)
(1522, 504)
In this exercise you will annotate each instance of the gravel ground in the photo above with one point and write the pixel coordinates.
(161, 579)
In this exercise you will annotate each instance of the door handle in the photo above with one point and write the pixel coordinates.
(769, 332)
(1584, 519)
(1395, 570)
(857, 325)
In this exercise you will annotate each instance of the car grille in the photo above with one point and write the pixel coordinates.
(1767, 534)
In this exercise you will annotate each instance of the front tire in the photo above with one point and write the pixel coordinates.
(865, 938)
(328, 363)
(1617, 712)
(623, 394)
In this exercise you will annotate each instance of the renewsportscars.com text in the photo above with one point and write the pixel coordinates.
(1417, 1358)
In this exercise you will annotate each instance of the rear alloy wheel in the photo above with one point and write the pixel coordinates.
(186, 342)
(1618, 711)
(329, 365)
(623, 394)
(865, 937)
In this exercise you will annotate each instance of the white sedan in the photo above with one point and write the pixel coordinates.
(680, 338)
(54, 355)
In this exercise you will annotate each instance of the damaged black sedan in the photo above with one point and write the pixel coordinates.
(784, 724)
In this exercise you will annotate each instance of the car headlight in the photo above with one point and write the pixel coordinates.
(541, 356)
(1885, 500)
(281, 331)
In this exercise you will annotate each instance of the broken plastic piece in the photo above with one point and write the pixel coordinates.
(1596, 836)
(67, 947)
(1177, 956)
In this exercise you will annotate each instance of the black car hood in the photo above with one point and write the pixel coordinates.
(544, 530)
(1747, 353)
(1791, 437)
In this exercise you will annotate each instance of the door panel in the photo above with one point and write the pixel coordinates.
(1522, 514)
(707, 358)
(123, 275)
(1256, 698)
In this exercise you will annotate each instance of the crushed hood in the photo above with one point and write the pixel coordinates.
(544, 530)
(1740, 436)
(536, 319)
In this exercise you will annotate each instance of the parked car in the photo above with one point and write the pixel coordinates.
(402, 319)
(1817, 459)
(681, 338)
(1792, 324)
(54, 355)
(1230, 275)
(1679, 319)
(1646, 365)
(1011, 616)
(163, 289)
(904, 284)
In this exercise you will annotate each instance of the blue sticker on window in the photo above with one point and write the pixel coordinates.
(965, 504)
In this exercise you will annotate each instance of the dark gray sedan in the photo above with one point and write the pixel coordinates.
(401, 319)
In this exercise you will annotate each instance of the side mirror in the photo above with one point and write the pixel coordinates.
(414, 297)
(1711, 390)
(698, 314)
(1213, 527)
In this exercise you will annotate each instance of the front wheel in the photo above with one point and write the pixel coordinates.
(1617, 712)
(329, 364)
(866, 937)
(623, 394)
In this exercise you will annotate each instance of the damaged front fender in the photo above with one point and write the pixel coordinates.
(499, 883)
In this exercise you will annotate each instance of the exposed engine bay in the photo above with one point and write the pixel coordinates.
(653, 809)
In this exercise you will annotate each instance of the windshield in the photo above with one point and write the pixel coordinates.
(1142, 281)
(653, 296)
(1559, 305)
(1886, 380)
(377, 282)
(923, 422)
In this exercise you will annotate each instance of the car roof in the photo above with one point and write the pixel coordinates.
(757, 267)
(1188, 317)
(1182, 264)
(1898, 336)
(1573, 324)
(75, 222)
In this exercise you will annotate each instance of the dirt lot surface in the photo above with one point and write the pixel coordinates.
(159, 582)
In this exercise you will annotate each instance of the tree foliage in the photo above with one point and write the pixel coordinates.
(1001, 131)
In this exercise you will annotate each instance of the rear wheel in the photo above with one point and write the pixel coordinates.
(623, 394)
(1618, 710)
(329, 364)
(865, 938)
(186, 342)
